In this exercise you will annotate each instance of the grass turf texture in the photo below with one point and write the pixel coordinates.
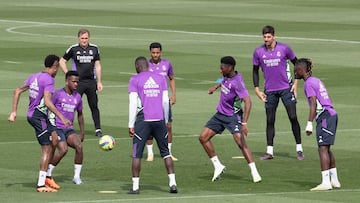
(194, 34)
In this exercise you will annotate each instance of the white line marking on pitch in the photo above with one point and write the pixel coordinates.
(173, 31)
(206, 196)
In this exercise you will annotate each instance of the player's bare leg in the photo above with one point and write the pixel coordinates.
(205, 140)
(149, 147)
(170, 135)
(240, 141)
(75, 143)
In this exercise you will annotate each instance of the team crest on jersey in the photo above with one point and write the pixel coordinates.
(278, 54)
(264, 56)
(91, 52)
(164, 68)
(78, 53)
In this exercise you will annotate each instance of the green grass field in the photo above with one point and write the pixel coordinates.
(194, 34)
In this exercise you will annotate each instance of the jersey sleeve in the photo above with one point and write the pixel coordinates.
(170, 71)
(132, 85)
(241, 90)
(68, 53)
(255, 59)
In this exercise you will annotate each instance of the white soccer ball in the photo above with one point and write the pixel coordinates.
(106, 142)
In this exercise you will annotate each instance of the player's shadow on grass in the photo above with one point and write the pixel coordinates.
(145, 188)
(257, 155)
(303, 184)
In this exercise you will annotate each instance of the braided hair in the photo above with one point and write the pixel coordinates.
(305, 62)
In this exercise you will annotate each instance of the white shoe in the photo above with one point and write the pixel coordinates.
(150, 157)
(77, 181)
(335, 184)
(322, 187)
(256, 177)
(218, 172)
(173, 158)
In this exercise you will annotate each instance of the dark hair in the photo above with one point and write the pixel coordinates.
(229, 60)
(141, 64)
(155, 45)
(71, 73)
(50, 60)
(268, 29)
(83, 31)
(305, 63)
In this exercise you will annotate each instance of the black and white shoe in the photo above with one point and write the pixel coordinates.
(173, 189)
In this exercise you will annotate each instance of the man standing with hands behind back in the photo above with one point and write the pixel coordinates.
(86, 60)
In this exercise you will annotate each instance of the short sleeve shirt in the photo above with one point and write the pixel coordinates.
(66, 104)
(231, 88)
(39, 83)
(164, 68)
(314, 87)
(83, 60)
(274, 65)
(150, 87)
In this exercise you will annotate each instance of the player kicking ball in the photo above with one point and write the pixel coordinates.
(322, 110)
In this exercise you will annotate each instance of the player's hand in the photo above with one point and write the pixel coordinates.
(12, 117)
(244, 129)
(99, 86)
(131, 132)
(262, 96)
(309, 128)
(66, 122)
(172, 99)
(211, 90)
(82, 136)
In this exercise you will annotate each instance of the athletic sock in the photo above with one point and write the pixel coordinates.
(270, 150)
(51, 167)
(77, 170)
(172, 180)
(253, 168)
(135, 181)
(333, 175)
(325, 177)
(216, 162)
(41, 180)
(299, 147)
(149, 148)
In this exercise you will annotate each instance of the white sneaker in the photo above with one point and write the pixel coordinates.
(218, 172)
(322, 187)
(173, 158)
(150, 157)
(335, 184)
(256, 177)
(77, 181)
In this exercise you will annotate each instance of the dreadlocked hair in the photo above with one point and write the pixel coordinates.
(306, 62)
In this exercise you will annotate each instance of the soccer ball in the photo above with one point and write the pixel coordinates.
(106, 142)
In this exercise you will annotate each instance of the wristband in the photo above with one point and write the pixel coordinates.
(309, 126)
(243, 123)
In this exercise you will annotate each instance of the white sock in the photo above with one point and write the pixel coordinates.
(77, 170)
(325, 177)
(333, 175)
(270, 150)
(41, 180)
(299, 147)
(169, 146)
(253, 168)
(216, 162)
(172, 180)
(149, 148)
(135, 181)
(50, 169)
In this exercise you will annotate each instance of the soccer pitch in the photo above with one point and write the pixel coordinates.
(195, 35)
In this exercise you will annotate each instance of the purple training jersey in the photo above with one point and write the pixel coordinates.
(230, 89)
(66, 104)
(313, 87)
(163, 68)
(274, 65)
(38, 84)
(150, 87)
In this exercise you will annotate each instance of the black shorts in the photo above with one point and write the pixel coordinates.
(326, 125)
(64, 133)
(145, 129)
(219, 122)
(287, 97)
(42, 126)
